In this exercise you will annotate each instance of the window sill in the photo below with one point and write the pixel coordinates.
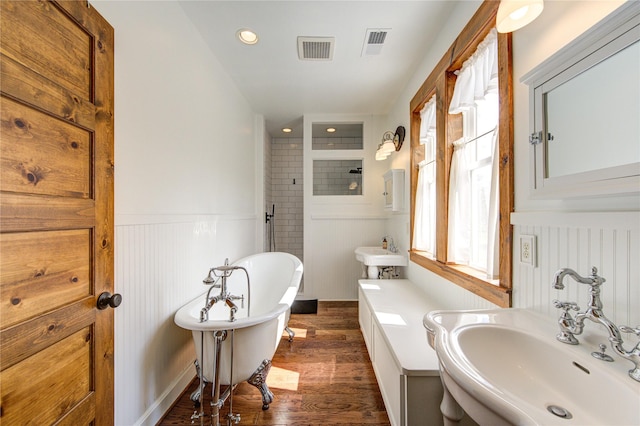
(467, 278)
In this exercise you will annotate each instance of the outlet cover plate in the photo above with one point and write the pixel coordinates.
(528, 250)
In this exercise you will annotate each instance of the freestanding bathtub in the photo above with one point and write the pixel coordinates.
(274, 279)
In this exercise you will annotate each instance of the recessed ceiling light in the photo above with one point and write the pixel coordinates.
(330, 130)
(247, 36)
(286, 130)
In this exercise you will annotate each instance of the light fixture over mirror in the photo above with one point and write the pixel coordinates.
(515, 14)
(390, 142)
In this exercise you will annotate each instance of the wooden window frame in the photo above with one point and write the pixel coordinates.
(441, 82)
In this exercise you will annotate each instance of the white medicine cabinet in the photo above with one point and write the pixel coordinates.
(394, 190)
(585, 103)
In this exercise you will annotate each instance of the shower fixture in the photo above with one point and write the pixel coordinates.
(267, 216)
(271, 232)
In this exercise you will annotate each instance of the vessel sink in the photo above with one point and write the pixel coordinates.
(506, 367)
(376, 256)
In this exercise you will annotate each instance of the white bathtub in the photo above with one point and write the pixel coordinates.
(274, 280)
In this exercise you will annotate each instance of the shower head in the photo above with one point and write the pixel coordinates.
(209, 279)
(357, 171)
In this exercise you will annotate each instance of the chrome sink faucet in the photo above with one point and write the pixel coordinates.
(571, 326)
(392, 246)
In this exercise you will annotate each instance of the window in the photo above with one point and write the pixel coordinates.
(471, 194)
(424, 236)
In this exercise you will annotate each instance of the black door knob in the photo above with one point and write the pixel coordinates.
(106, 300)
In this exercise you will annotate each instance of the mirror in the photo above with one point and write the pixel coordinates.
(586, 107)
(572, 105)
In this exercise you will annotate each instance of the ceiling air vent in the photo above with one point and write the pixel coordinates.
(315, 48)
(373, 41)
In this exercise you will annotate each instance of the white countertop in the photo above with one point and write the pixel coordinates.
(399, 309)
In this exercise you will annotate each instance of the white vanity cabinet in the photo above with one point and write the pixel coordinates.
(394, 190)
(406, 367)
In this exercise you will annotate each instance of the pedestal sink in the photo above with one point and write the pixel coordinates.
(374, 257)
(505, 367)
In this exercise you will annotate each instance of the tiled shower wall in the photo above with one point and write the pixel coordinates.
(287, 194)
(334, 177)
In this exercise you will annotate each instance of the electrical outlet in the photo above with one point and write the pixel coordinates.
(528, 250)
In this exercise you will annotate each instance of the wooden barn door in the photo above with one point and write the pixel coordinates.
(56, 214)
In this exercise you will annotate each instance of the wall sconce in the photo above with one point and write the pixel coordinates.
(515, 14)
(390, 142)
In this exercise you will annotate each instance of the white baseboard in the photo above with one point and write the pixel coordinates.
(161, 405)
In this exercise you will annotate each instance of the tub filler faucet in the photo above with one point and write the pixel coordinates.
(220, 274)
(572, 326)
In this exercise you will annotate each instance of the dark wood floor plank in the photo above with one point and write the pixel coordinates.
(323, 377)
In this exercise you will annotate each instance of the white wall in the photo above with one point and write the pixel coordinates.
(570, 233)
(185, 198)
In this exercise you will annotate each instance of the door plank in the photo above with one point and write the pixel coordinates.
(62, 53)
(19, 82)
(22, 341)
(43, 155)
(50, 382)
(23, 212)
(42, 271)
(82, 414)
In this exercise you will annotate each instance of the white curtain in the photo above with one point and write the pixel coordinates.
(424, 226)
(459, 205)
(477, 77)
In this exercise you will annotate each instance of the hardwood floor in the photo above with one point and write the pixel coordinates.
(324, 377)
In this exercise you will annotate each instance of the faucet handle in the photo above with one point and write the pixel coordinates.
(627, 329)
(566, 306)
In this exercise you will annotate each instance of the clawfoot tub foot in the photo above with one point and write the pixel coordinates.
(291, 333)
(259, 380)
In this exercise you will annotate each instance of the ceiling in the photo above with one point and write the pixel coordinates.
(281, 87)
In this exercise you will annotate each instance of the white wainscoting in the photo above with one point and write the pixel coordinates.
(160, 262)
(331, 269)
(609, 241)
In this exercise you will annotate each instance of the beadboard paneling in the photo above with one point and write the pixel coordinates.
(610, 242)
(160, 266)
(331, 269)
